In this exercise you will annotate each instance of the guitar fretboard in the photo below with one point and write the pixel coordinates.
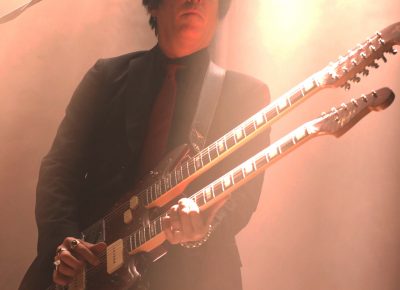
(225, 184)
(236, 137)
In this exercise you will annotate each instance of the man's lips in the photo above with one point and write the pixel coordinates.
(192, 12)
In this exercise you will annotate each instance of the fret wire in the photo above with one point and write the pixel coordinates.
(159, 185)
(130, 244)
(187, 168)
(176, 179)
(194, 162)
(163, 185)
(201, 160)
(216, 148)
(225, 144)
(170, 181)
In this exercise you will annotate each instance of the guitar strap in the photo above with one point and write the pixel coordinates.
(207, 105)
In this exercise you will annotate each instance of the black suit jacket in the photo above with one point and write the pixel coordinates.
(92, 162)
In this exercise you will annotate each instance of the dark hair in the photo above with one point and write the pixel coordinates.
(153, 4)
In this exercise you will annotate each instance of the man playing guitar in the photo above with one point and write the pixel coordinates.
(121, 120)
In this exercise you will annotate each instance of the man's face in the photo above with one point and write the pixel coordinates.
(183, 21)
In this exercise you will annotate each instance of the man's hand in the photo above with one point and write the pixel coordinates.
(71, 257)
(186, 223)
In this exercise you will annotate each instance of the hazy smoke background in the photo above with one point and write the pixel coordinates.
(329, 214)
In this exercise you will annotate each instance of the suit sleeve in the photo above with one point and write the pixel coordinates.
(62, 173)
(238, 210)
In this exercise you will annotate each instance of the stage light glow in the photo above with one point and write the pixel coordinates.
(287, 15)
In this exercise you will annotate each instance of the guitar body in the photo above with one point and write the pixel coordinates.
(133, 228)
(130, 212)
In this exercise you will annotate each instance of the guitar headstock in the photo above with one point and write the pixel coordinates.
(342, 118)
(356, 62)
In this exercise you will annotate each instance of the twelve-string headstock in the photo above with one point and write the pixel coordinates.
(356, 62)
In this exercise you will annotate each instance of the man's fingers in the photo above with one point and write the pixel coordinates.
(67, 258)
(65, 270)
(97, 249)
(82, 251)
(166, 224)
(60, 279)
(86, 254)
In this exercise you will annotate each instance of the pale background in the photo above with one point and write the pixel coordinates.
(329, 213)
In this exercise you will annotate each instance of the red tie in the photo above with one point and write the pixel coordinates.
(156, 141)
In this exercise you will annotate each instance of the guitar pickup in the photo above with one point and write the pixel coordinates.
(115, 256)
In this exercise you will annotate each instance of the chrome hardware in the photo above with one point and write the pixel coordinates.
(354, 62)
(382, 41)
(393, 51)
(374, 94)
(364, 98)
(356, 79)
(379, 34)
(345, 70)
(384, 59)
(344, 106)
(374, 64)
(354, 102)
(363, 55)
(346, 86)
(365, 72)
(372, 48)
(153, 173)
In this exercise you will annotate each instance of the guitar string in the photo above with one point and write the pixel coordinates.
(252, 122)
(92, 270)
(153, 220)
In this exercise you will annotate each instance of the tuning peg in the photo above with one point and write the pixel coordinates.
(384, 59)
(354, 102)
(354, 62)
(334, 75)
(365, 72)
(346, 86)
(345, 70)
(364, 98)
(344, 106)
(393, 51)
(379, 34)
(363, 55)
(356, 79)
(374, 64)
(382, 41)
(372, 48)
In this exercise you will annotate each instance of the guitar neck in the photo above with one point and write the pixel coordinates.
(334, 123)
(232, 140)
(337, 74)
